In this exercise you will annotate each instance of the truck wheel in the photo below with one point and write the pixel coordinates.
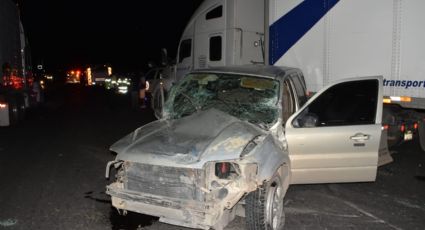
(421, 132)
(13, 111)
(264, 207)
(21, 108)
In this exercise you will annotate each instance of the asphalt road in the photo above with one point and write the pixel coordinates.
(52, 175)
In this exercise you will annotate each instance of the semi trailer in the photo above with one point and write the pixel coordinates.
(328, 40)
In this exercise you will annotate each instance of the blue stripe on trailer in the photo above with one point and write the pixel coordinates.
(286, 31)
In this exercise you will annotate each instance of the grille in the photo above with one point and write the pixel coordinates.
(165, 181)
(202, 61)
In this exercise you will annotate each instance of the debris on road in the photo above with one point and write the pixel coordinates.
(8, 222)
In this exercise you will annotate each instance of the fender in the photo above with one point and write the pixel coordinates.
(271, 158)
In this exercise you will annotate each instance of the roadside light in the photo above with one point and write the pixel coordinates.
(401, 99)
(3, 105)
(89, 76)
(147, 85)
(387, 100)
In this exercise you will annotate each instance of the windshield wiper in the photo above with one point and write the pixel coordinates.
(261, 125)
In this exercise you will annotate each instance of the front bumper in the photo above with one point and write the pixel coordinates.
(188, 213)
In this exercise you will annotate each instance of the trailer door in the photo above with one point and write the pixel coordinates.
(335, 136)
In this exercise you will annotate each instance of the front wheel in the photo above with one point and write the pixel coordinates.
(264, 207)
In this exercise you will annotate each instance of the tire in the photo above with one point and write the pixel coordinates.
(21, 108)
(13, 111)
(264, 207)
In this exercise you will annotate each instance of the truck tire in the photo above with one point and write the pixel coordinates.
(421, 133)
(264, 207)
(21, 107)
(13, 111)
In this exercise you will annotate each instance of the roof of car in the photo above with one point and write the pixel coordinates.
(257, 70)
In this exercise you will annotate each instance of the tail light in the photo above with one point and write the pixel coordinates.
(385, 127)
(402, 128)
(3, 103)
(415, 125)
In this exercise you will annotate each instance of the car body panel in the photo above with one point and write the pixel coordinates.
(335, 153)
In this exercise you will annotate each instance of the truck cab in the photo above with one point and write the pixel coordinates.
(222, 33)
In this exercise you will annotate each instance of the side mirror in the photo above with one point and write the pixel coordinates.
(159, 102)
(164, 57)
(308, 120)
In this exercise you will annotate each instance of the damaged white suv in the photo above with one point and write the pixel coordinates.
(231, 140)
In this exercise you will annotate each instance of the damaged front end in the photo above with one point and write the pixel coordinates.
(194, 167)
(190, 197)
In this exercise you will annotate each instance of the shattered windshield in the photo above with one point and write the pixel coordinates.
(248, 98)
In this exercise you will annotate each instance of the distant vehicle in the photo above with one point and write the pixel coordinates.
(16, 79)
(231, 140)
(73, 77)
(97, 74)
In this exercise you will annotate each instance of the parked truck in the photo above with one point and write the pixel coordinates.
(16, 94)
(328, 40)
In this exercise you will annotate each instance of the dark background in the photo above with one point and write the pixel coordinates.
(126, 34)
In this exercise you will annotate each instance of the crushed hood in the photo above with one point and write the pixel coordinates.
(203, 136)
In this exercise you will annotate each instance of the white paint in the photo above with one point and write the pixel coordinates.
(375, 218)
(8, 222)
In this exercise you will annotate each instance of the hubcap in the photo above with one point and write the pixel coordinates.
(274, 205)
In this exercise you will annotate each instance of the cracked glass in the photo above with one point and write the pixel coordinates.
(249, 98)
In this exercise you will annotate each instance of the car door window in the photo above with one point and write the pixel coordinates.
(288, 101)
(185, 49)
(300, 88)
(347, 103)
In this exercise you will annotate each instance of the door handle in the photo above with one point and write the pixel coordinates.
(360, 137)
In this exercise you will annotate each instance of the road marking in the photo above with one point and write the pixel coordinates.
(408, 204)
(296, 210)
(8, 222)
(377, 219)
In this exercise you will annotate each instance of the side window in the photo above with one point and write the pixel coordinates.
(288, 101)
(215, 48)
(347, 103)
(300, 88)
(185, 49)
(214, 13)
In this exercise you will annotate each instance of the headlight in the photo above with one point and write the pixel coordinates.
(147, 85)
(225, 170)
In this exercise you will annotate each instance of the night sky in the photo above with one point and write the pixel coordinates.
(127, 34)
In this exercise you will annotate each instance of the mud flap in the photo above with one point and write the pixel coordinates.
(384, 153)
(421, 132)
(420, 172)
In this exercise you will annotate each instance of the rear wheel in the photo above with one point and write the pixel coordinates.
(21, 107)
(264, 207)
(13, 111)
